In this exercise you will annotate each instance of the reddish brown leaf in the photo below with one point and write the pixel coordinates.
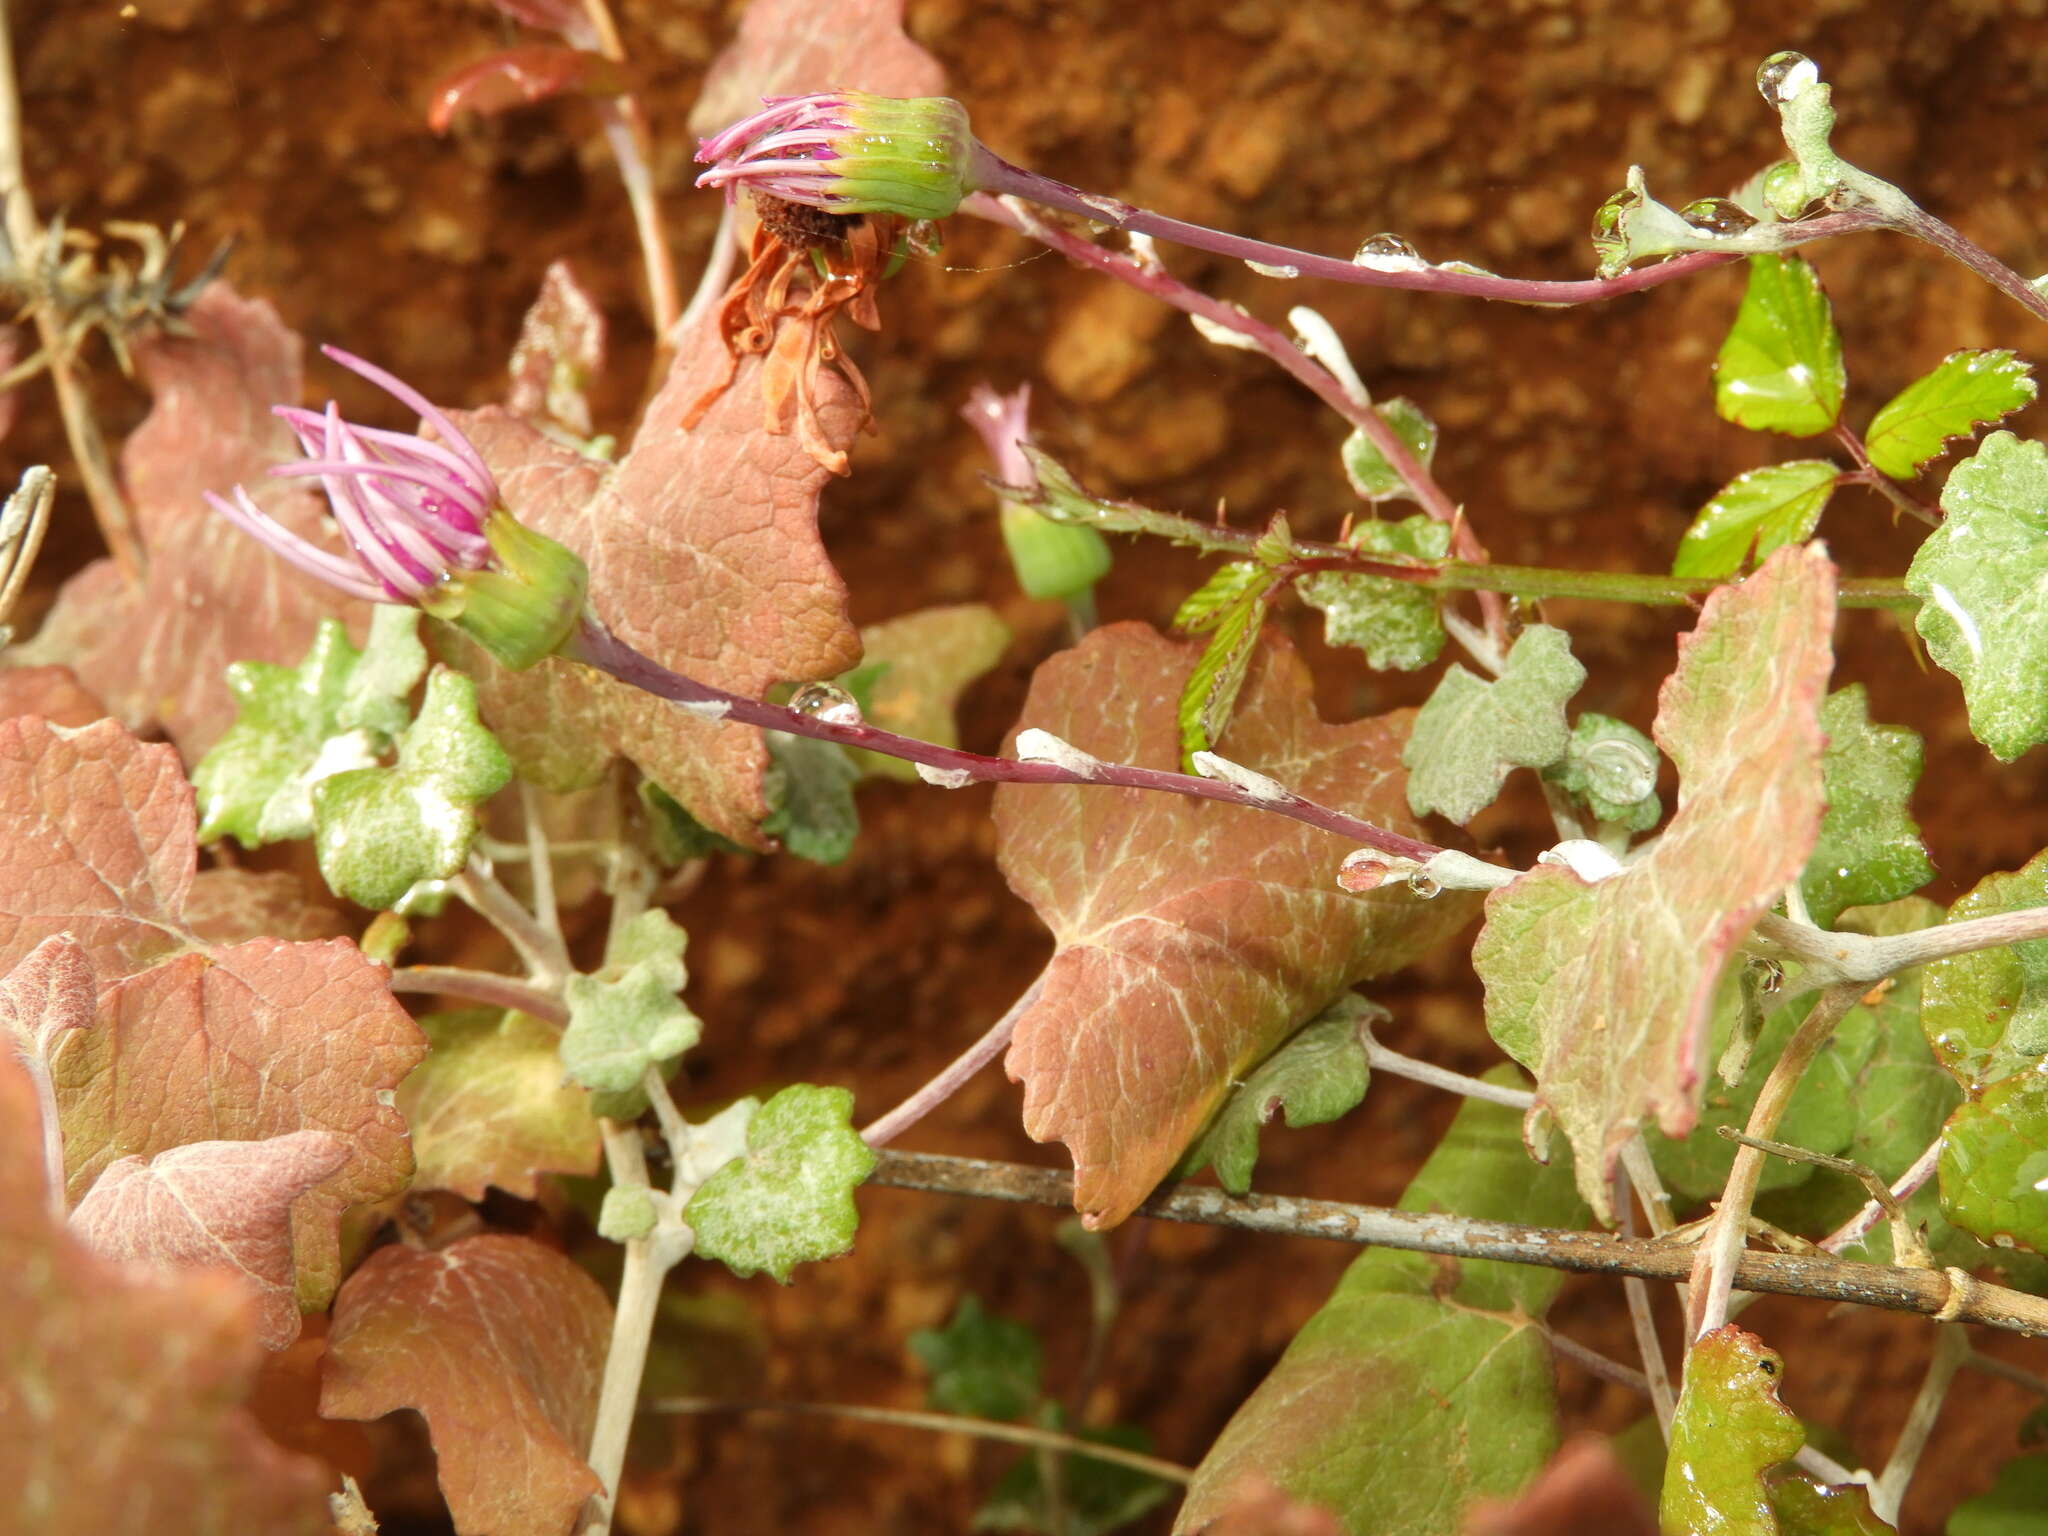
(224, 1203)
(1604, 990)
(122, 1393)
(52, 692)
(500, 1345)
(1193, 937)
(518, 77)
(1585, 1488)
(214, 595)
(49, 992)
(194, 1042)
(704, 553)
(226, 906)
(559, 351)
(788, 47)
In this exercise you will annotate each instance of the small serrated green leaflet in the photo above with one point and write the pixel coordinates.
(627, 1017)
(1095, 1497)
(810, 785)
(1728, 1430)
(1756, 512)
(985, 1366)
(1986, 1012)
(1394, 622)
(1315, 1077)
(1275, 545)
(1980, 577)
(1610, 767)
(380, 831)
(338, 709)
(1780, 369)
(1965, 391)
(2017, 1504)
(1472, 734)
(1212, 687)
(1204, 608)
(1869, 850)
(788, 1199)
(1367, 468)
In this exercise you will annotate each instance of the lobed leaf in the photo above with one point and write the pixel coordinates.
(1394, 622)
(929, 658)
(985, 1366)
(1986, 1012)
(628, 1016)
(810, 785)
(1729, 1429)
(1869, 850)
(1964, 391)
(1780, 368)
(788, 1199)
(1471, 734)
(1367, 468)
(1753, 515)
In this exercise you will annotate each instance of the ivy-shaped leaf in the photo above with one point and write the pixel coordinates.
(628, 1017)
(1315, 1077)
(1780, 369)
(1606, 990)
(1869, 850)
(1471, 735)
(1394, 622)
(1980, 577)
(383, 830)
(985, 1366)
(810, 790)
(788, 1199)
(1367, 468)
(1729, 1429)
(1610, 767)
(1757, 512)
(1964, 391)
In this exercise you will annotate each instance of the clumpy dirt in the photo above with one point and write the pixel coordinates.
(1481, 129)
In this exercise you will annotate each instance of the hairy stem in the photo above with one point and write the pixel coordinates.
(487, 987)
(1867, 473)
(1831, 957)
(954, 1074)
(546, 961)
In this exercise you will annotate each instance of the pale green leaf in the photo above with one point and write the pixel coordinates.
(1780, 369)
(1228, 585)
(1367, 468)
(1210, 695)
(1982, 578)
(627, 1017)
(1610, 767)
(1472, 734)
(1869, 850)
(1963, 392)
(929, 658)
(985, 1366)
(1315, 1077)
(788, 1199)
(1986, 1012)
(1728, 1430)
(1394, 622)
(628, 1212)
(1994, 1163)
(1753, 514)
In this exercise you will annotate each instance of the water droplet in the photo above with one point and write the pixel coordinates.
(827, 702)
(1423, 886)
(1785, 76)
(1388, 253)
(1717, 216)
(1621, 771)
(1772, 981)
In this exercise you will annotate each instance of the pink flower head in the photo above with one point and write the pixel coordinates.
(848, 152)
(412, 509)
(1003, 421)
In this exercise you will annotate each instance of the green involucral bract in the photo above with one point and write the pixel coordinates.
(380, 831)
(1610, 767)
(1052, 559)
(984, 1366)
(339, 708)
(810, 785)
(1729, 1429)
(1756, 512)
(1394, 622)
(1869, 850)
(1472, 734)
(627, 1017)
(1780, 370)
(788, 1199)
(1367, 468)
(1963, 392)
(1980, 577)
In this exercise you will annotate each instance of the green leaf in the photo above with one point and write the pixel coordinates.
(1228, 585)
(1806, 1508)
(1869, 850)
(1780, 370)
(1610, 767)
(1212, 687)
(1394, 622)
(1980, 577)
(1965, 391)
(2017, 1504)
(920, 663)
(981, 1365)
(380, 831)
(627, 1017)
(1421, 1385)
(338, 709)
(677, 836)
(1367, 468)
(1471, 734)
(1729, 1429)
(1756, 512)
(789, 1199)
(1994, 1163)
(1986, 1012)
(1096, 1496)
(628, 1212)
(1315, 1077)
(810, 785)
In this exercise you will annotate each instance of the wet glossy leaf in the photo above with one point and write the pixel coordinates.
(628, 1016)
(1869, 850)
(499, 1343)
(1965, 391)
(1367, 468)
(1994, 1163)
(383, 830)
(1606, 990)
(985, 1366)
(1807, 1508)
(1394, 622)
(1096, 1496)
(1728, 1431)
(1471, 734)
(1610, 767)
(1979, 577)
(928, 659)
(1986, 1012)
(1780, 369)
(1192, 937)
(788, 1199)
(1422, 1385)
(1317, 1076)
(1759, 511)
(489, 1106)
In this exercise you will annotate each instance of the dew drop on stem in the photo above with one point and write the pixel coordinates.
(827, 702)
(1388, 253)
(1421, 885)
(1785, 76)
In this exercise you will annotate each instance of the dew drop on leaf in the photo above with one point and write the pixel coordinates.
(1717, 216)
(1423, 886)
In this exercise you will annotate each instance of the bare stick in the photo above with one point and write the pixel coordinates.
(941, 1423)
(2005, 1370)
(954, 1074)
(1649, 1345)
(1907, 1248)
(1595, 1362)
(541, 867)
(1951, 1349)
(487, 987)
(1381, 1059)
